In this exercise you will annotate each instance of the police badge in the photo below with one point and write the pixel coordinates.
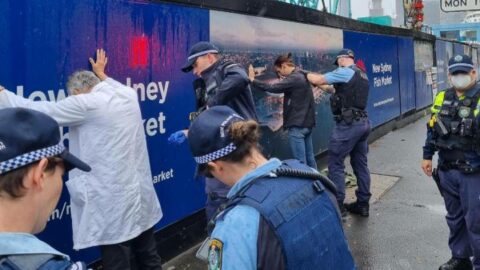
(215, 255)
(464, 112)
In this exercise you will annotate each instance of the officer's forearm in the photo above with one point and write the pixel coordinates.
(316, 79)
(429, 148)
(428, 151)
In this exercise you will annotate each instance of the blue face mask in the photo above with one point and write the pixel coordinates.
(461, 81)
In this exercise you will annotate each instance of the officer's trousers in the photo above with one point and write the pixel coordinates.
(461, 193)
(350, 140)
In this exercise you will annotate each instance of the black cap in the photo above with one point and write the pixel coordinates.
(460, 62)
(199, 49)
(208, 135)
(344, 53)
(27, 136)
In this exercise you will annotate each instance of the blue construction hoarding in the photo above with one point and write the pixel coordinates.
(424, 94)
(45, 41)
(423, 55)
(459, 48)
(442, 54)
(378, 55)
(406, 74)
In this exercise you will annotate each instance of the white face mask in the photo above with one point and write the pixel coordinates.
(461, 81)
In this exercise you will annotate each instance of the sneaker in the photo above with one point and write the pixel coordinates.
(358, 208)
(457, 264)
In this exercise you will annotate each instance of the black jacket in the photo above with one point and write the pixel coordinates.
(227, 84)
(298, 102)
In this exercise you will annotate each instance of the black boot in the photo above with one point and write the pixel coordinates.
(358, 208)
(457, 264)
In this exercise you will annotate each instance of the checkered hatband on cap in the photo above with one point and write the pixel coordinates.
(28, 158)
(461, 65)
(216, 155)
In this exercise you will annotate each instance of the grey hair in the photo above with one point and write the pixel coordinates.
(82, 80)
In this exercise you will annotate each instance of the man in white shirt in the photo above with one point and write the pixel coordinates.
(115, 206)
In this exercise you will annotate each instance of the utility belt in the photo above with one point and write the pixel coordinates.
(350, 115)
(461, 165)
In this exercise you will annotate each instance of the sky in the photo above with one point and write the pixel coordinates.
(360, 8)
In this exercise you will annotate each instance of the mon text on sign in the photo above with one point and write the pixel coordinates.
(459, 5)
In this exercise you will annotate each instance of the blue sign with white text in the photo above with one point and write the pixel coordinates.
(378, 54)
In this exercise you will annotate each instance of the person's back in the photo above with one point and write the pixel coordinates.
(113, 141)
(299, 105)
(300, 226)
(226, 84)
(32, 162)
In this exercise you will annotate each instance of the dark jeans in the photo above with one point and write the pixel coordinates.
(300, 140)
(350, 140)
(461, 195)
(143, 247)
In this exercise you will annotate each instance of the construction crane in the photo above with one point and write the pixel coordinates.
(304, 3)
(336, 3)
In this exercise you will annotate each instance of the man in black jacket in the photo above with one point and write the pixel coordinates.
(226, 83)
(298, 106)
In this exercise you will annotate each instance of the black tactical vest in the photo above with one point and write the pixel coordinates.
(300, 226)
(456, 127)
(352, 94)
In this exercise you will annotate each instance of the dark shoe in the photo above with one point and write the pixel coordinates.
(457, 264)
(358, 208)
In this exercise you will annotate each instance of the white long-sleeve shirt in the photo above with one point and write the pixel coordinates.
(116, 201)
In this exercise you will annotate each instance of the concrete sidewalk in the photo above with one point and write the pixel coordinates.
(406, 228)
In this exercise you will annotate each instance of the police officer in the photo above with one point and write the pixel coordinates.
(32, 162)
(278, 215)
(226, 83)
(454, 131)
(349, 137)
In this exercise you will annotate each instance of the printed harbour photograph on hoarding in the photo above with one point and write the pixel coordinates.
(257, 41)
